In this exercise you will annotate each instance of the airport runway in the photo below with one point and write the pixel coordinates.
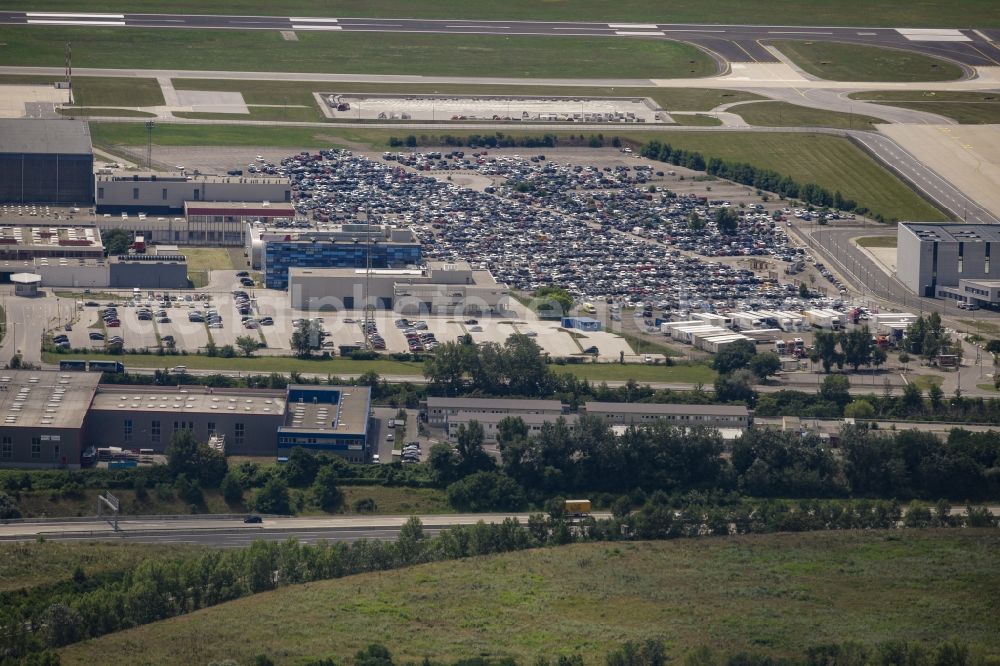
(732, 43)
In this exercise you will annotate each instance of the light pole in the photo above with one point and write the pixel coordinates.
(150, 124)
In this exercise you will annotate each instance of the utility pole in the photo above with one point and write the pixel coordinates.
(150, 124)
(69, 71)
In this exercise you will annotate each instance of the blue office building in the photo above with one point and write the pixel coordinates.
(327, 419)
(334, 250)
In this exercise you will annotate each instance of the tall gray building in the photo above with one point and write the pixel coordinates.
(955, 261)
(46, 162)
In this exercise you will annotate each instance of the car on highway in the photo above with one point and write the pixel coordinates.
(255, 520)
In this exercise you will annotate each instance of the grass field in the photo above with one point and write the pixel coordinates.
(783, 114)
(924, 382)
(357, 53)
(203, 259)
(776, 594)
(854, 62)
(971, 108)
(77, 112)
(25, 565)
(301, 92)
(892, 13)
(829, 161)
(697, 119)
(681, 373)
(100, 90)
(877, 241)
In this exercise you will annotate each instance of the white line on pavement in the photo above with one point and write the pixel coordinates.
(80, 15)
(634, 26)
(312, 20)
(315, 27)
(70, 22)
(629, 33)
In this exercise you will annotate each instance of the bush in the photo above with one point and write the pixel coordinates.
(487, 491)
(365, 505)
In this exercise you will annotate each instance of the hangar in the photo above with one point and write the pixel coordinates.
(46, 162)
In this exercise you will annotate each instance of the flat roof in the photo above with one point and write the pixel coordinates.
(666, 408)
(185, 176)
(45, 136)
(348, 416)
(50, 235)
(496, 403)
(25, 278)
(529, 419)
(257, 207)
(349, 272)
(954, 233)
(45, 398)
(187, 399)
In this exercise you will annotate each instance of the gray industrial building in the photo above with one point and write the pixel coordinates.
(167, 193)
(951, 261)
(148, 271)
(440, 411)
(638, 413)
(46, 162)
(440, 288)
(43, 417)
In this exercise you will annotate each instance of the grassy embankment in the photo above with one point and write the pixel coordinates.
(877, 241)
(356, 53)
(970, 108)
(201, 260)
(889, 13)
(854, 62)
(347, 367)
(828, 161)
(777, 594)
(783, 114)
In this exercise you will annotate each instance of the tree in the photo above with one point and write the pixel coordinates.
(825, 350)
(553, 302)
(511, 428)
(62, 625)
(469, 449)
(764, 365)
(273, 498)
(836, 389)
(904, 358)
(306, 338)
(116, 242)
(936, 395)
(734, 357)
(196, 460)
(912, 399)
(695, 222)
(486, 491)
(879, 357)
(325, 492)
(857, 347)
(804, 291)
(232, 489)
(859, 409)
(247, 344)
(727, 220)
(735, 387)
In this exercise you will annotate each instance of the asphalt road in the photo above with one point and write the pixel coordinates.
(732, 43)
(232, 532)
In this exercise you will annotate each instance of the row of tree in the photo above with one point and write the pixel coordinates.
(763, 463)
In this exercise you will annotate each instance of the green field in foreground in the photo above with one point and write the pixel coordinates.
(891, 13)
(877, 241)
(972, 108)
(774, 594)
(25, 565)
(98, 90)
(829, 161)
(854, 62)
(356, 53)
(301, 92)
(783, 114)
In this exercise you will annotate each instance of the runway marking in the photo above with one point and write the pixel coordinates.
(867, 34)
(933, 35)
(384, 25)
(69, 22)
(80, 15)
(796, 32)
(629, 33)
(315, 27)
(312, 20)
(481, 27)
(634, 26)
(740, 47)
(158, 20)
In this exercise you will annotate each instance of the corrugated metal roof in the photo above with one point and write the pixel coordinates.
(44, 136)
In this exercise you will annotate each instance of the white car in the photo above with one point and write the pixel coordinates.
(178, 369)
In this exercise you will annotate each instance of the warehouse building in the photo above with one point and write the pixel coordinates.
(327, 419)
(491, 422)
(133, 417)
(440, 288)
(951, 261)
(637, 413)
(148, 271)
(43, 417)
(440, 411)
(345, 247)
(46, 162)
(166, 193)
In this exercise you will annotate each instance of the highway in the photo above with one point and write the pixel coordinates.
(732, 43)
(232, 532)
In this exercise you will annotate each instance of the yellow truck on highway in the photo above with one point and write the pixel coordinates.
(577, 508)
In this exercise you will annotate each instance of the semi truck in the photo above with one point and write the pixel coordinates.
(577, 508)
